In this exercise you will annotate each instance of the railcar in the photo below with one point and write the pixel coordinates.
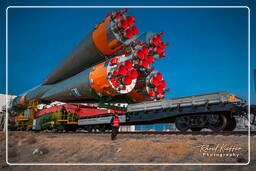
(216, 111)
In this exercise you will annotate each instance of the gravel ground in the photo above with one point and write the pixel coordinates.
(30, 147)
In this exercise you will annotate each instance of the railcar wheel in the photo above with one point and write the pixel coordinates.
(217, 122)
(89, 129)
(196, 129)
(73, 128)
(182, 123)
(102, 129)
(231, 125)
(66, 129)
(54, 130)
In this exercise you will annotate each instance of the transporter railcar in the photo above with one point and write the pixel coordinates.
(216, 111)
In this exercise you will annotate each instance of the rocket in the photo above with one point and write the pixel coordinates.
(107, 38)
(110, 63)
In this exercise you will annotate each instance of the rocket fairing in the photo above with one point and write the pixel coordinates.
(108, 64)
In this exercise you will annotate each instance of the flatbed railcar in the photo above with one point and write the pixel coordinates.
(216, 111)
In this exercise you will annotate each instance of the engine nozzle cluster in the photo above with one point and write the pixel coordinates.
(123, 25)
(122, 75)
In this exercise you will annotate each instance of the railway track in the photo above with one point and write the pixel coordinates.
(224, 133)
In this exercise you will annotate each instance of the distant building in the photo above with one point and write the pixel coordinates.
(3, 101)
(3, 107)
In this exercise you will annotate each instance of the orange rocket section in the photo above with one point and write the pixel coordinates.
(100, 83)
(111, 34)
(22, 100)
(149, 88)
(100, 38)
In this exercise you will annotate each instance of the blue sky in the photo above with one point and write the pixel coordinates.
(208, 49)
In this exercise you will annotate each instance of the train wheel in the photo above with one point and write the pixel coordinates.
(72, 128)
(67, 128)
(217, 122)
(54, 130)
(231, 125)
(102, 129)
(89, 129)
(196, 129)
(182, 123)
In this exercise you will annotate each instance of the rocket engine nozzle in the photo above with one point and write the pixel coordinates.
(144, 53)
(122, 75)
(114, 32)
(123, 25)
(156, 46)
(155, 83)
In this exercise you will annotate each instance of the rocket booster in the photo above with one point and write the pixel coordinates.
(107, 38)
(110, 63)
(94, 83)
(149, 86)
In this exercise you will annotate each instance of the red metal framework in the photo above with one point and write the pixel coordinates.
(80, 110)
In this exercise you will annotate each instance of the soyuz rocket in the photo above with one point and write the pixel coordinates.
(110, 64)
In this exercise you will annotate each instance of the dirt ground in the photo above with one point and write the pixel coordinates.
(30, 147)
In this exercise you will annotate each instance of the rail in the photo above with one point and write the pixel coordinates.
(194, 133)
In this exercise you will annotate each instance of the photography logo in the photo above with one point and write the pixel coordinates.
(219, 150)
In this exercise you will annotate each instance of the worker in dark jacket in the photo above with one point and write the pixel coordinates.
(64, 112)
(115, 126)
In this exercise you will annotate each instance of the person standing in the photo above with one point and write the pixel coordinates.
(64, 112)
(115, 126)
